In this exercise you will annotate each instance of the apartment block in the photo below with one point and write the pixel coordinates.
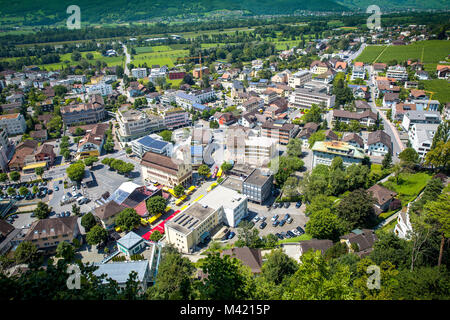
(305, 98)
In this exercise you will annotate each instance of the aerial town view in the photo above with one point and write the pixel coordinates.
(235, 150)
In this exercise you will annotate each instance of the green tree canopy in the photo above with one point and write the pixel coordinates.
(96, 235)
(42, 210)
(76, 171)
(127, 219)
(155, 205)
(88, 221)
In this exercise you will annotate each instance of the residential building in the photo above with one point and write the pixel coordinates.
(175, 118)
(330, 135)
(13, 123)
(325, 151)
(403, 228)
(107, 213)
(134, 124)
(399, 110)
(253, 104)
(307, 131)
(92, 112)
(427, 117)
(315, 245)
(366, 118)
(397, 73)
(354, 139)
(258, 185)
(7, 149)
(45, 153)
(92, 142)
(384, 198)
(279, 130)
(101, 88)
(249, 257)
(148, 143)
(443, 71)
(242, 148)
(165, 170)
(379, 143)
(197, 72)
(359, 241)
(8, 235)
(305, 98)
(318, 67)
(358, 72)
(299, 78)
(23, 150)
(421, 137)
(48, 233)
(139, 73)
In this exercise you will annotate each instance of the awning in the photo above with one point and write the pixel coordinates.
(35, 165)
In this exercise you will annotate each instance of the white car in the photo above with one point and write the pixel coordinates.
(295, 231)
(73, 188)
(256, 219)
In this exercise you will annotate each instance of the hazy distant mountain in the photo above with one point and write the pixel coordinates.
(397, 4)
(38, 12)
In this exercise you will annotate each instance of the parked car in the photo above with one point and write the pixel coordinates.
(286, 216)
(287, 235)
(296, 232)
(275, 223)
(225, 237)
(263, 219)
(300, 230)
(231, 235)
(279, 236)
(287, 204)
(275, 217)
(282, 222)
(290, 234)
(290, 220)
(298, 204)
(58, 215)
(56, 188)
(74, 188)
(255, 219)
(263, 225)
(283, 234)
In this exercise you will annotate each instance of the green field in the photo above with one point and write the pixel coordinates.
(440, 87)
(303, 237)
(162, 58)
(429, 52)
(67, 61)
(409, 185)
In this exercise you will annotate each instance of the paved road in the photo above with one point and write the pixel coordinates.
(127, 60)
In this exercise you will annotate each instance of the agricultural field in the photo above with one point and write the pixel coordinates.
(429, 52)
(67, 61)
(162, 58)
(440, 87)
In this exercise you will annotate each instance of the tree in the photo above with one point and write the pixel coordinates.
(65, 250)
(42, 210)
(315, 279)
(23, 191)
(88, 221)
(156, 236)
(247, 235)
(409, 158)
(11, 191)
(438, 214)
(226, 166)
(76, 171)
(79, 131)
(278, 266)
(14, 176)
(214, 124)
(174, 280)
(76, 210)
(203, 170)
(294, 148)
(439, 156)
(166, 135)
(397, 169)
(96, 235)
(89, 161)
(156, 205)
(76, 56)
(178, 190)
(356, 209)
(225, 280)
(39, 171)
(314, 114)
(390, 248)
(324, 225)
(127, 219)
(26, 252)
(316, 136)
(3, 177)
(387, 161)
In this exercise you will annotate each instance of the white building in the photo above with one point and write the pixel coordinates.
(299, 78)
(256, 151)
(403, 228)
(305, 98)
(414, 116)
(358, 72)
(421, 137)
(13, 123)
(139, 73)
(101, 88)
(134, 124)
(325, 151)
(379, 143)
(397, 72)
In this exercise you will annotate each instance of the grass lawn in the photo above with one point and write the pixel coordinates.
(67, 60)
(409, 185)
(303, 237)
(430, 51)
(174, 82)
(390, 226)
(162, 58)
(440, 87)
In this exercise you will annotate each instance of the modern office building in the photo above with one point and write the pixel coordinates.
(305, 98)
(299, 78)
(134, 124)
(258, 185)
(13, 123)
(279, 130)
(148, 143)
(421, 137)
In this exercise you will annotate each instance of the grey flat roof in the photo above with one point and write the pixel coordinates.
(119, 271)
(189, 218)
(232, 183)
(257, 178)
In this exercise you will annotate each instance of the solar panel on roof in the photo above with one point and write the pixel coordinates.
(179, 217)
(119, 196)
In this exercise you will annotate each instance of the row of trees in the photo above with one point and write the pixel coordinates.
(120, 166)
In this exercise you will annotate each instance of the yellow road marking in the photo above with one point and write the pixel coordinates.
(201, 196)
